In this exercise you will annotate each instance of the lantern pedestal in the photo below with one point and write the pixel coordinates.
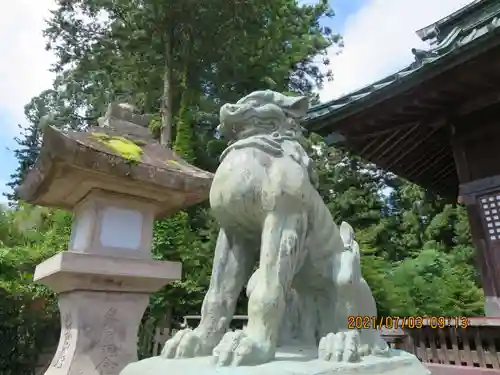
(101, 301)
(98, 340)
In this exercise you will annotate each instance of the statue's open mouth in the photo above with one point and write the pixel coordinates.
(232, 115)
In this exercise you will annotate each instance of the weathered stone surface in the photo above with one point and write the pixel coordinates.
(98, 332)
(288, 362)
(123, 116)
(69, 271)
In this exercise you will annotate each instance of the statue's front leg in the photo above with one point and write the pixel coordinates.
(233, 263)
(281, 247)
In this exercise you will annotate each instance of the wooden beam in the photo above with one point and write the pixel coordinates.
(459, 156)
(380, 133)
(478, 103)
(426, 105)
(458, 109)
(468, 130)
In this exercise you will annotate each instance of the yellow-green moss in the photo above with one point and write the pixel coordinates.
(174, 162)
(121, 145)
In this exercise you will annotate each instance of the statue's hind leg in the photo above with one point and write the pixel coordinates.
(233, 263)
(280, 256)
(353, 302)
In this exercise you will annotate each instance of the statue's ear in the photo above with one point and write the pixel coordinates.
(346, 233)
(298, 106)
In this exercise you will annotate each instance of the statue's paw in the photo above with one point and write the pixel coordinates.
(380, 347)
(238, 349)
(186, 343)
(340, 347)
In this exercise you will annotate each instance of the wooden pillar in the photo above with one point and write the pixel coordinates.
(477, 157)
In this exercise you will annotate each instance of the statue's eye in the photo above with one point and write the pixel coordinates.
(252, 103)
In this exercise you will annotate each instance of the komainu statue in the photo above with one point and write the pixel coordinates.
(308, 280)
(265, 200)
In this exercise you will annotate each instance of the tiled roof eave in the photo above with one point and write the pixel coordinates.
(403, 80)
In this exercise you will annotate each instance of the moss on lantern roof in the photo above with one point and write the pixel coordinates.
(72, 163)
(127, 148)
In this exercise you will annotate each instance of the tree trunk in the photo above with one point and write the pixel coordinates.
(166, 103)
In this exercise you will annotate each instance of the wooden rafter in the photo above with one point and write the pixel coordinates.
(430, 132)
(424, 167)
(381, 144)
(447, 171)
(396, 143)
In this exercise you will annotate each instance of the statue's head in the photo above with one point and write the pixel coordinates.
(262, 112)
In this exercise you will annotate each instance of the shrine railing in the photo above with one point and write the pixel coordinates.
(474, 349)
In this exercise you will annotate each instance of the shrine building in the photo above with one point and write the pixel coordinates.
(437, 123)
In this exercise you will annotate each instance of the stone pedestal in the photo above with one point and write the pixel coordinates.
(98, 340)
(291, 361)
(101, 300)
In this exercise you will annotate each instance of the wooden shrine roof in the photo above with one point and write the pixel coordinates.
(401, 122)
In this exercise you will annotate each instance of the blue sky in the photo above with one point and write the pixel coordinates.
(378, 36)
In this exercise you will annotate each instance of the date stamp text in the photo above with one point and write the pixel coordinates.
(405, 322)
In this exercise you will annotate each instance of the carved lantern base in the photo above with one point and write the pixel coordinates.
(100, 340)
(101, 301)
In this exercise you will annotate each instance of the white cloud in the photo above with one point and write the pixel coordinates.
(378, 39)
(24, 63)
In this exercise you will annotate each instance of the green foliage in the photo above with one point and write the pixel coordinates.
(175, 239)
(184, 138)
(29, 318)
(438, 286)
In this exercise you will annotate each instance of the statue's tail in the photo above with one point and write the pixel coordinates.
(350, 266)
(347, 234)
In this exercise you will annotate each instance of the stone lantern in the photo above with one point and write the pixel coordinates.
(117, 180)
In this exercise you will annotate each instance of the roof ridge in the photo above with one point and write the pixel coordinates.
(432, 30)
(459, 37)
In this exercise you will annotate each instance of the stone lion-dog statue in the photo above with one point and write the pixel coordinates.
(308, 281)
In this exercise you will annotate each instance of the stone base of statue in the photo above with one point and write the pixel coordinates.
(292, 361)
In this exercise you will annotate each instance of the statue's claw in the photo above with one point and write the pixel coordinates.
(185, 344)
(238, 349)
(340, 347)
